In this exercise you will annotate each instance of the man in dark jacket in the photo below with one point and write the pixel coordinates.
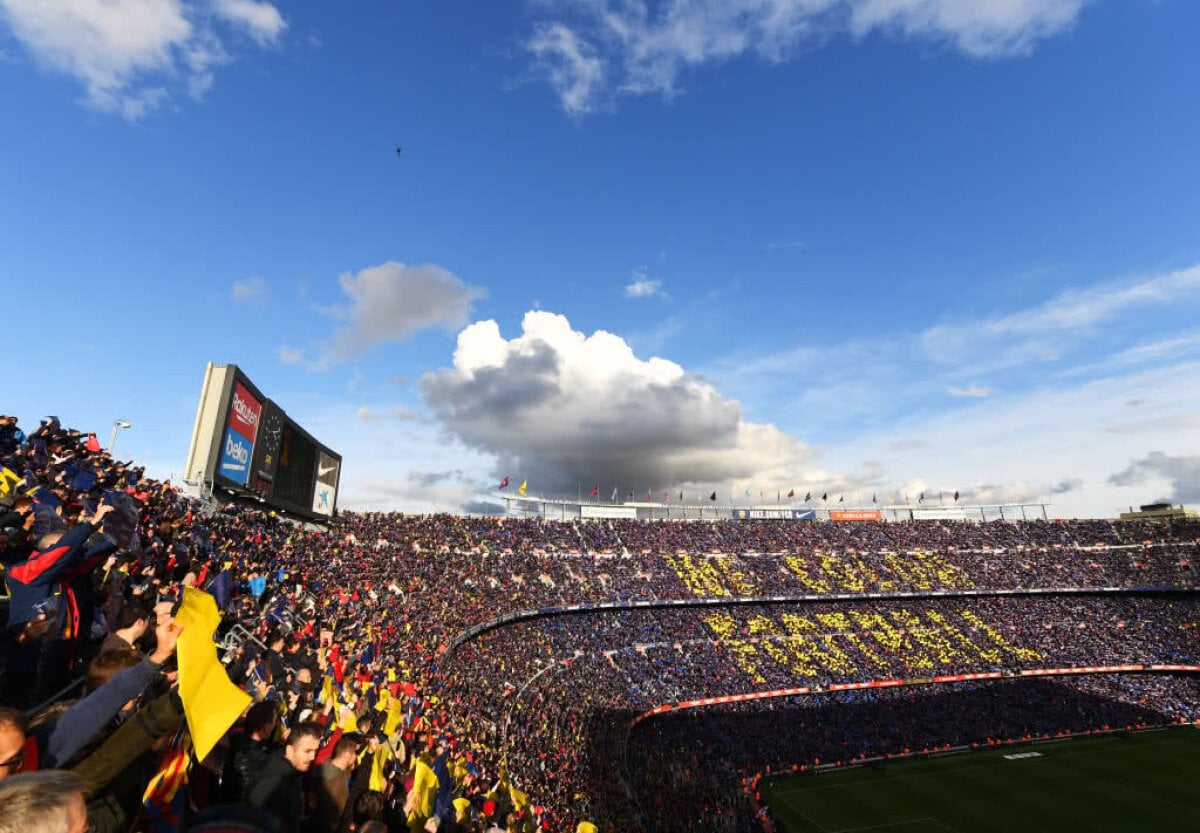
(248, 751)
(278, 788)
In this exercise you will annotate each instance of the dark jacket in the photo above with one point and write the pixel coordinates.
(278, 790)
(116, 774)
(243, 764)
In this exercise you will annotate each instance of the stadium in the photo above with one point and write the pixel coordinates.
(578, 665)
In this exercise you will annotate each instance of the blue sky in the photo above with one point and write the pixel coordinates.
(846, 245)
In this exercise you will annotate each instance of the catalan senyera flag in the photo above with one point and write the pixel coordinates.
(521, 489)
(211, 703)
(163, 798)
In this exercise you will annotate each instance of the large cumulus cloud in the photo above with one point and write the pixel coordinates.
(564, 409)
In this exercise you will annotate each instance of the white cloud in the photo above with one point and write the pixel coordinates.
(971, 392)
(261, 20)
(983, 28)
(130, 53)
(289, 355)
(571, 66)
(1036, 443)
(253, 289)
(556, 407)
(640, 286)
(600, 47)
(391, 301)
(1043, 331)
(400, 413)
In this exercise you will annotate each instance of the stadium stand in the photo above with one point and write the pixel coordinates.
(232, 669)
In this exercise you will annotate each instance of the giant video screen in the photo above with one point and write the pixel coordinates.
(296, 469)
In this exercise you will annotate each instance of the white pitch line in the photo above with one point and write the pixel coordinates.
(886, 824)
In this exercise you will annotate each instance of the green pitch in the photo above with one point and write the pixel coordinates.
(1146, 783)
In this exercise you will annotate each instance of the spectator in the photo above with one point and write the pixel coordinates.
(42, 802)
(278, 787)
(333, 787)
(130, 626)
(249, 749)
(12, 742)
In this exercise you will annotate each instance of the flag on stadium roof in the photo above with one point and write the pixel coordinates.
(521, 489)
(713, 496)
(504, 483)
(792, 493)
(594, 492)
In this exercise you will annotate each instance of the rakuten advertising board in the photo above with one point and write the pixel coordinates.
(241, 428)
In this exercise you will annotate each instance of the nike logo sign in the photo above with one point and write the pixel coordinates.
(324, 470)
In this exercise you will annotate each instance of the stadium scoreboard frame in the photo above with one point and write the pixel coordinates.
(245, 444)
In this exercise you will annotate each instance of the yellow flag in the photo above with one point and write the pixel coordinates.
(425, 787)
(8, 479)
(391, 675)
(211, 703)
(327, 695)
(378, 783)
(519, 799)
(384, 697)
(393, 719)
(350, 724)
(585, 827)
(461, 806)
(521, 489)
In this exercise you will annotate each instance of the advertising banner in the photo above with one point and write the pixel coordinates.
(940, 513)
(324, 496)
(855, 515)
(762, 514)
(235, 457)
(586, 511)
(241, 427)
(244, 411)
(804, 514)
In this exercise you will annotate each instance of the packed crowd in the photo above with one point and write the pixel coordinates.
(348, 709)
(701, 769)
